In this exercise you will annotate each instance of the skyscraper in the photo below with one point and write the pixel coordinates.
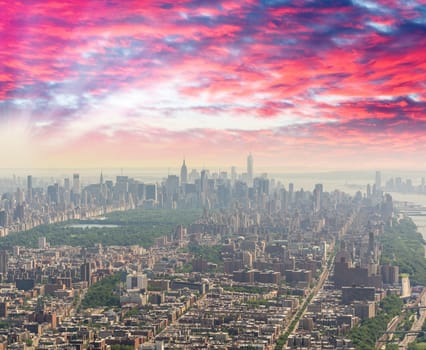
(172, 187)
(151, 192)
(250, 169)
(290, 192)
(317, 197)
(233, 174)
(67, 184)
(183, 173)
(76, 184)
(203, 181)
(378, 182)
(29, 188)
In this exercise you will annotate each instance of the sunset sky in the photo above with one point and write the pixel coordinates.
(319, 85)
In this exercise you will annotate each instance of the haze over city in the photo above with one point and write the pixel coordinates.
(302, 85)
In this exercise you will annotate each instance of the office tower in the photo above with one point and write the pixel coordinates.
(203, 181)
(172, 188)
(53, 193)
(284, 199)
(20, 196)
(122, 187)
(378, 182)
(4, 262)
(19, 212)
(151, 192)
(317, 197)
(172, 184)
(261, 185)
(67, 184)
(250, 169)
(290, 192)
(183, 173)
(233, 174)
(76, 184)
(29, 188)
(67, 193)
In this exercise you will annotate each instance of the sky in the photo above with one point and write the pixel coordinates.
(302, 85)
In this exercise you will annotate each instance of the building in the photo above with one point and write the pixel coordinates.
(151, 192)
(4, 309)
(76, 195)
(351, 294)
(390, 274)
(137, 281)
(183, 173)
(365, 310)
(29, 188)
(318, 190)
(250, 169)
(172, 188)
(347, 275)
(42, 243)
(3, 218)
(4, 262)
(76, 184)
(86, 273)
(378, 181)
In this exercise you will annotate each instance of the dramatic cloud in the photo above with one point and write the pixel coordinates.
(329, 83)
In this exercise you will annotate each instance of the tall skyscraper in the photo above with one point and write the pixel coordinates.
(29, 188)
(317, 197)
(76, 195)
(76, 184)
(250, 169)
(20, 196)
(183, 173)
(172, 187)
(53, 193)
(203, 181)
(378, 182)
(233, 174)
(290, 192)
(67, 184)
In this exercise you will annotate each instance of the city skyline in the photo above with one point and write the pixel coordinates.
(300, 85)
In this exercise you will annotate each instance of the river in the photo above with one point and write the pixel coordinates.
(418, 199)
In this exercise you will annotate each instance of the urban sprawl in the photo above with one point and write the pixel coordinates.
(263, 265)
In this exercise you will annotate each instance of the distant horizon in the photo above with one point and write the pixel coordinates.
(338, 178)
(216, 168)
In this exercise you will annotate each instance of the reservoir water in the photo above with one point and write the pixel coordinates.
(85, 226)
